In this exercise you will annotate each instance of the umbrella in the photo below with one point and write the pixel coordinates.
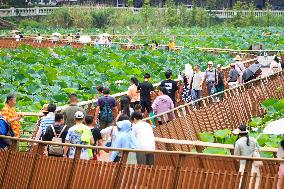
(85, 39)
(275, 127)
(56, 34)
(254, 67)
(247, 74)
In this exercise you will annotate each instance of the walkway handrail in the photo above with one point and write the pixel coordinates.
(14, 139)
(206, 144)
(47, 10)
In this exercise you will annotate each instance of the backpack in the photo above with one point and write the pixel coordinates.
(5, 129)
(56, 150)
(106, 114)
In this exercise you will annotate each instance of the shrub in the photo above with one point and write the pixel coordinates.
(101, 18)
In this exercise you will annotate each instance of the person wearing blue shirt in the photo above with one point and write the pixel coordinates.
(125, 139)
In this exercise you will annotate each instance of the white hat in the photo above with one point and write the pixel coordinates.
(238, 57)
(79, 115)
(210, 63)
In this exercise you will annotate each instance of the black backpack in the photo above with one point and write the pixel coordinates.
(106, 114)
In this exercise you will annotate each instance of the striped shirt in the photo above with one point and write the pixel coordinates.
(47, 121)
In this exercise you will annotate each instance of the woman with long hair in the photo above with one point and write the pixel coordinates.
(125, 106)
(247, 146)
(133, 93)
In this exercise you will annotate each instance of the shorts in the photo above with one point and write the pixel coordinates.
(146, 105)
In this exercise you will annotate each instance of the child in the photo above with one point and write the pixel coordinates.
(138, 108)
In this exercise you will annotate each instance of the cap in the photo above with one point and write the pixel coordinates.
(79, 115)
(210, 63)
(44, 108)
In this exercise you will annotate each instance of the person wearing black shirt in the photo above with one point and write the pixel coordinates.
(96, 133)
(170, 85)
(145, 90)
(60, 130)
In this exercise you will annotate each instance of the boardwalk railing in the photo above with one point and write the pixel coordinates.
(171, 170)
(40, 11)
(238, 106)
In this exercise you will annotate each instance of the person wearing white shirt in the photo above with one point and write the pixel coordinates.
(17, 37)
(38, 39)
(145, 138)
(197, 80)
(275, 66)
(239, 66)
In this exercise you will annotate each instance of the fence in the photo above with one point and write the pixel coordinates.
(40, 11)
(171, 170)
(238, 106)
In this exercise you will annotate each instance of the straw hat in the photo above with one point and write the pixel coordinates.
(219, 66)
(210, 63)
(238, 57)
(44, 108)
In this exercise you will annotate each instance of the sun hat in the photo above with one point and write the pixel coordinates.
(219, 66)
(239, 131)
(238, 57)
(210, 63)
(44, 108)
(79, 115)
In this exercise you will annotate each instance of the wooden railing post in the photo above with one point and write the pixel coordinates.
(245, 179)
(36, 158)
(73, 168)
(12, 148)
(118, 171)
(181, 158)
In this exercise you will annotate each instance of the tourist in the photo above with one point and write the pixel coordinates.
(186, 91)
(100, 89)
(210, 78)
(146, 89)
(44, 112)
(133, 92)
(275, 66)
(79, 134)
(219, 85)
(96, 133)
(38, 39)
(234, 77)
(46, 121)
(170, 85)
(69, 39)
(106, 110)
(125, 106)
(171, 45)
(18, 37)
(163, 103)
(110, 133)
(239, 66)
(143, 130)
(78, 35)
(197, 81)
(124, 139)
(10, 114)
(247, 146)
(280, 155)
(138, 108)
(71, 109)
(130, 41)
(55, 132)
(155, 45)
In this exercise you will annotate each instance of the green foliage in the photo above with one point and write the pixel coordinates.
(101, 18)
(255, 122)
(220, 151)
(206, 137)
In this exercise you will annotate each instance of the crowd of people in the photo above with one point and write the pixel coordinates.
(121, 125)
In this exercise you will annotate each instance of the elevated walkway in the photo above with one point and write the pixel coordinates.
(172, 170)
